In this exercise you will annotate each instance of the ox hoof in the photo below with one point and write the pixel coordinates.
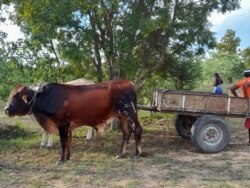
(59, 162)
(120, 156)
(49, 147)
(42, 146)
(144, 154)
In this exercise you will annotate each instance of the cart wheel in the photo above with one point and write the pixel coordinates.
(210, 134)
(183, 124)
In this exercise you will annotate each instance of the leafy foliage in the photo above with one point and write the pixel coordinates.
(225, 61)
(230, 67)
(229, 43)
(246, 57)
(104, 39)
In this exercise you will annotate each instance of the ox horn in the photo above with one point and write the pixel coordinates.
(25, 98)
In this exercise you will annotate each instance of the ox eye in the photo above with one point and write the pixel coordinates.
(15, 98)
(16, 95)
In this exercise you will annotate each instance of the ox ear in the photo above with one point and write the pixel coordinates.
(25, 98)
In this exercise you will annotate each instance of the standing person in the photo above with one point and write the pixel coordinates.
(240, 85)
(243, 85)
(217, 84)
(246, 88)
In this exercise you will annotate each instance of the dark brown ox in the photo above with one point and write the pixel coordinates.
(55, 106)
(80, 81)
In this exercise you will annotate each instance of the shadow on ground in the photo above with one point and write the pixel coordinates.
(8, 132)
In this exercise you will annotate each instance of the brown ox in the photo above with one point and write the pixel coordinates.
(55, 106)
(102, 126)
(80, 81)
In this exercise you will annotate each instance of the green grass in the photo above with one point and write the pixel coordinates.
(170, 160)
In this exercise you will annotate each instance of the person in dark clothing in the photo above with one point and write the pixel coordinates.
(217, 84)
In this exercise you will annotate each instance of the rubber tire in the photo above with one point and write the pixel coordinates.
(213, 123)
(184, 130)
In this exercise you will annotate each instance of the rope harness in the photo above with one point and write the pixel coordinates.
(31, 103)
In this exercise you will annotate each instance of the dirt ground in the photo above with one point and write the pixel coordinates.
(170, 160)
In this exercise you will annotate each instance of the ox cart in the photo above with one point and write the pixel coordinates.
(200, 115)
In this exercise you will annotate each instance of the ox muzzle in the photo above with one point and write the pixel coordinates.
(12, 110)
(6, 110)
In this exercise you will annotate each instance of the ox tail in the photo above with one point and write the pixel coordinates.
(126, 105)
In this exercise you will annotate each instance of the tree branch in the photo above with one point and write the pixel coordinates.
(55, 53)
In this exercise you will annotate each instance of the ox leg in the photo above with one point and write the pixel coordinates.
(126, 130)
(63, 132)
(249, 137)
(43, 142)
(90, 133)
(50, 141)
(137, 134)
(69, 145)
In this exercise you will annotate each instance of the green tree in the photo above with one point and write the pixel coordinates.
(230, 67)
(246, 56)
(132, 39)
(225, 60)
(229, 43)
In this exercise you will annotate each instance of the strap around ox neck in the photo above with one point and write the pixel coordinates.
(36, 89)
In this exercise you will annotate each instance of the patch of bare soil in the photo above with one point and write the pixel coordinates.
(170, 161)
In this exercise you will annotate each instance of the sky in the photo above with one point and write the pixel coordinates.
(11, 29)
(237, 20)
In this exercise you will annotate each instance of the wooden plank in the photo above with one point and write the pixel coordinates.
(238, 106)
(195, 103)
(148, 108)
(171, 101)
(198, 102)
(216, 104)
